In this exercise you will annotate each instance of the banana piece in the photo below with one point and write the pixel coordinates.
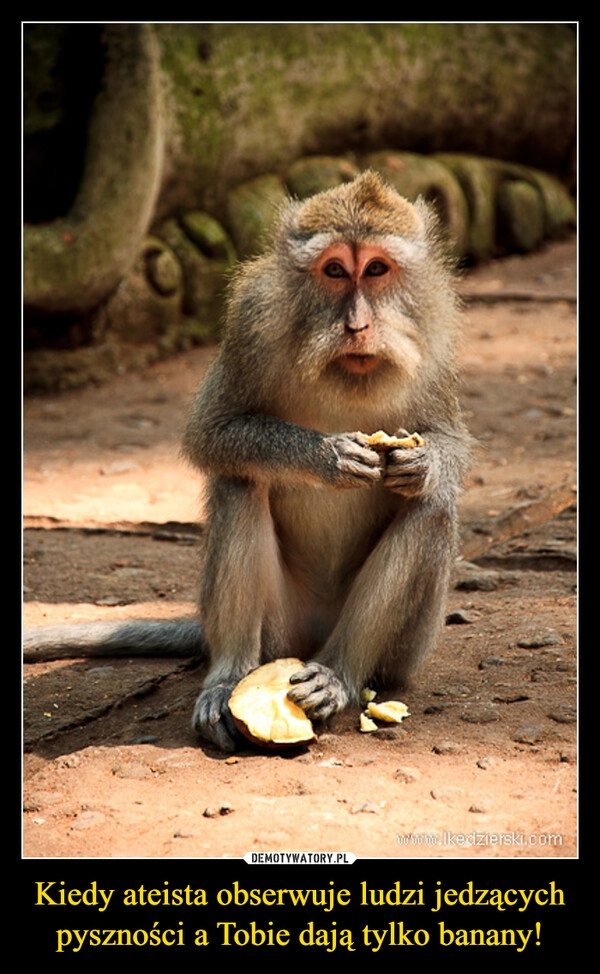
(383, 441)
(262, 711)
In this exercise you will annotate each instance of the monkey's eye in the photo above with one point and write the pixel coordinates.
(335, 269)
(376, 268)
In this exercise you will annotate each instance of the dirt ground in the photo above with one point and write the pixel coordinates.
(484, 767)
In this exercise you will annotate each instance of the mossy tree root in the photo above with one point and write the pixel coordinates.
(74, 262)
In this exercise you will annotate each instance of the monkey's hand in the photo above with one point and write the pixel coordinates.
(350, 461)
(318, 691)
(212, 718)
(411, 473)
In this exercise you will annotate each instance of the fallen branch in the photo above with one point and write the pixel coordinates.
(480, 535)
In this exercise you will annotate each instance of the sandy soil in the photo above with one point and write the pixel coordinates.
(485, 766)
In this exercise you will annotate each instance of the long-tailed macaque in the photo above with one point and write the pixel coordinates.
(318, 545)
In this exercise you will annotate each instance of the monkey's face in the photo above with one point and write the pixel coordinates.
(358, 321)
(371, 315)
(355, 277)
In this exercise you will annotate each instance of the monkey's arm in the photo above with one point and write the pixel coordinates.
(245, 444)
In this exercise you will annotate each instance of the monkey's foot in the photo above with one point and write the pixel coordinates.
(318, 691)
(212, 718)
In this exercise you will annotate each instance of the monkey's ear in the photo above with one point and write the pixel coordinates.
(287, 230)
(428, 215)
(435, 233)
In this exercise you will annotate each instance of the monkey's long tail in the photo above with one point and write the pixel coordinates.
(169, 638)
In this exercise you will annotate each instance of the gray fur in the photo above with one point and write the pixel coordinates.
(181, 637)
(318, 546)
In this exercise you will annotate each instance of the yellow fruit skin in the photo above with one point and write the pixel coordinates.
(367, 725)
(262, 711)
(386, 442)
(392, 711)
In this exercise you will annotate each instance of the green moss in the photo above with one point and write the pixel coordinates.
(208, 236)
(483, 181)
(205, 254)
(243, 100)
(74, 263)
(251, 98)
(252, 208)
(314, 174)
(520, 217)
(413, 175)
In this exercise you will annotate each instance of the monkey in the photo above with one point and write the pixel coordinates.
(319, 546)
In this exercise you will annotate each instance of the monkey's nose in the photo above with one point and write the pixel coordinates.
(358, 323)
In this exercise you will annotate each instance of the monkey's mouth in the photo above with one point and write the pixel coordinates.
(358, 363)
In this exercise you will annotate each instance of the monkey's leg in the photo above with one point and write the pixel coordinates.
(241, 601)
(393, 614)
